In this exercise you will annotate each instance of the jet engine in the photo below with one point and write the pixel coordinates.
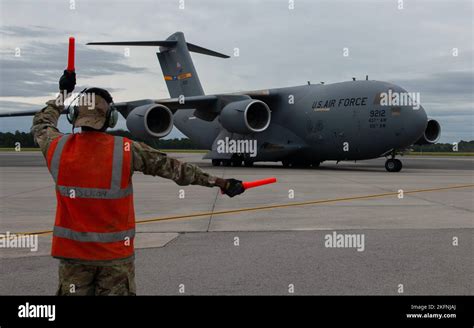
(431, 134)
(151, 120)
(245, 116)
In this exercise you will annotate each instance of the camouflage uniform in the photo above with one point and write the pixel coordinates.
(79, 279)
(116, 277)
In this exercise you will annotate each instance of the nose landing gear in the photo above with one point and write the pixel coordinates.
(393, 165)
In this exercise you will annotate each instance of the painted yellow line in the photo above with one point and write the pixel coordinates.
(270, 207)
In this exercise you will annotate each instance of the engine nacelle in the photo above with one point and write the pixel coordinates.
(431, 134)
(152, 120)
(245, 116)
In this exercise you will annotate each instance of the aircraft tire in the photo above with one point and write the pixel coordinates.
(226, 162)
(301, 165)
(248, 163)
(236, 163)
(399, 165)
(393, 165)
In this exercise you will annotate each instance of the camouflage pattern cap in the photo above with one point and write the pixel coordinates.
(92, 111)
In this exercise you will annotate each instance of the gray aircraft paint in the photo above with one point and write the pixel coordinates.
(320, 135)
(298, 131)
(175, 62)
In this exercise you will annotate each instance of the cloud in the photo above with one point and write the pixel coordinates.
(449, 83)
(37, 70)
(447, 97)
(278, 47)
(26, 31)
(15, 105)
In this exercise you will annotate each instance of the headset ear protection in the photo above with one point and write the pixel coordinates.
(72, 111)
(111, 115)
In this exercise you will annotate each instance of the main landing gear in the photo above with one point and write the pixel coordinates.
(287, 163)
(232, 162)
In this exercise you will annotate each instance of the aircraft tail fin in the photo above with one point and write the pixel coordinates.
(176, 63)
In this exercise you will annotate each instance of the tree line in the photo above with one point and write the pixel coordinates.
(9, 140)
(462, 147)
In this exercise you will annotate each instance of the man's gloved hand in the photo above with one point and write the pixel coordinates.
(67, 81)
(231, 187)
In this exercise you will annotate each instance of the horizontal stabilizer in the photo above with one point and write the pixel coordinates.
(204, 51)
(166, 43)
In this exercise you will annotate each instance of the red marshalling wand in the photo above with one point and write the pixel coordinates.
(70, 56)
(258, 183)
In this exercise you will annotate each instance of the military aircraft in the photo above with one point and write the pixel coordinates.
(300, 126)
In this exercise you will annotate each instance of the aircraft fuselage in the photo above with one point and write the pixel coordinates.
(313, 123)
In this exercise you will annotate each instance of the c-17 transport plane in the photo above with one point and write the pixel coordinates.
(300, 126)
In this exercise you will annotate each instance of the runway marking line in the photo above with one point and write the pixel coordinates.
(270, 207)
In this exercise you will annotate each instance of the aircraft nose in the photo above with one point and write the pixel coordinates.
(416, 122)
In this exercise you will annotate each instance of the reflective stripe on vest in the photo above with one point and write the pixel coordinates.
(98, 237)
(95, 219)
(54, 167)
(80, 192)
(113, 192)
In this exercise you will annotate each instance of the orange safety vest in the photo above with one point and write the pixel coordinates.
(95, 217)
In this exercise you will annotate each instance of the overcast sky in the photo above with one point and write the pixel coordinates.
(278, 47)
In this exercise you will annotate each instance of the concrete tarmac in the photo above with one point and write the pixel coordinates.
(418, 244)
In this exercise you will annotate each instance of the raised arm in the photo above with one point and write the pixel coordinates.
(45, 123)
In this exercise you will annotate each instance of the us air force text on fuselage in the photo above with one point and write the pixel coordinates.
(342, 102)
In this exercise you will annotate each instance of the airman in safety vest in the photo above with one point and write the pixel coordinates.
(94, 229)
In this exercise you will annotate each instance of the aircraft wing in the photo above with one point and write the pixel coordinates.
(23, 113)
(197, 102)
(206, 107)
